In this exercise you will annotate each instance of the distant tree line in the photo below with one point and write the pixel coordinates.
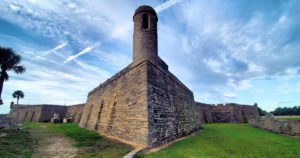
(287, 111)
(261, 111)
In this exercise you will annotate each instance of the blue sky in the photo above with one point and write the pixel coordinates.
(224, 51)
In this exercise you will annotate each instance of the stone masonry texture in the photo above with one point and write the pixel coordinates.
(228, 113)
(171, 107)
(118, 107)
(279, 126)
(75, 111)
(43, 113)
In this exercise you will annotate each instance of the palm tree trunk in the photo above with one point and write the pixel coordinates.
(17, 100)
(1, 85)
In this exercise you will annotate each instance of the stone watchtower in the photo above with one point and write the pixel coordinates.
(145, 35)
(144, 103)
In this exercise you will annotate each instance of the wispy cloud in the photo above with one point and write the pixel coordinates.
(166, 5)
(85, 50)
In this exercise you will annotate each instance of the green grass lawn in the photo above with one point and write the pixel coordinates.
(291, 118)
(15, 144)
(93, 144)
(232, 141)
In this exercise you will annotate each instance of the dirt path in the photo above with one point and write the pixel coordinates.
(51, 145)
(3, 134)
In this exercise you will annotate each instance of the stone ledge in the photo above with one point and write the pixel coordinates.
(172, 76)
(115, 77)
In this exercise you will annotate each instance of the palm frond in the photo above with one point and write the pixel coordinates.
(9, 60)
(19, 69)
(18, 94)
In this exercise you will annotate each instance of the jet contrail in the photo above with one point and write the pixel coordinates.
(166, 5)
(85, 50)
(56, 48)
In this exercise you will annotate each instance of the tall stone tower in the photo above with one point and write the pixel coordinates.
(144, 103)
(145, 35)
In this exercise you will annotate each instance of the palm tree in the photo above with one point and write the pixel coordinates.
(9, 60)
(18, 94)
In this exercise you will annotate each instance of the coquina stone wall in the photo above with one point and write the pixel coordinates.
(171, 107)
(26, 113)
(143, 104)
(75, 111)
(118, 107)
(4, 120)
(279, 126)
(49, 110)
(41, 113)
(227, 113)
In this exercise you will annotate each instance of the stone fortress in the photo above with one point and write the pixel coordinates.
(143, 104)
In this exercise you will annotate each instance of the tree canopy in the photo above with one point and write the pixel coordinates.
(9, 60)
(287, 111)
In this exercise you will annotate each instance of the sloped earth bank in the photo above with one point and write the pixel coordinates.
(220, 140)
(69, 140)
(52, 145)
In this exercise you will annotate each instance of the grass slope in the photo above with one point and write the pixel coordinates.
(15, 144)
(92, 143)
(290, 118)
(232, 141)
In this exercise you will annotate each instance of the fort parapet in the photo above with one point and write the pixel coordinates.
(227, 113)
(279, 126)
(44, 112)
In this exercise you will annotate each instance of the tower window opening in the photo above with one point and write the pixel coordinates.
(145, 21)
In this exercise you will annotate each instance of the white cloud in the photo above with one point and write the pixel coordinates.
(229, 94)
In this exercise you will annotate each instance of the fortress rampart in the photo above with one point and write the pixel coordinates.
(43, 112)
(227, 113)
(279, 126)
(119, 109)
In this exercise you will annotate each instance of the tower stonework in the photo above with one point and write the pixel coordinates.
(144, 103)
(145, 35)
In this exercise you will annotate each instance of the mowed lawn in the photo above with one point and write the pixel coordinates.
(232, 141)
(290, 118)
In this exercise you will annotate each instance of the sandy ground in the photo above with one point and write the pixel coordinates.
(3, 134)
(49, 145)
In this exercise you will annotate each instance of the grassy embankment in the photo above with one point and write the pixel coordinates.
(89, 143)
(291, 118)
(93, 144)
(15, 143)
(232, 141)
